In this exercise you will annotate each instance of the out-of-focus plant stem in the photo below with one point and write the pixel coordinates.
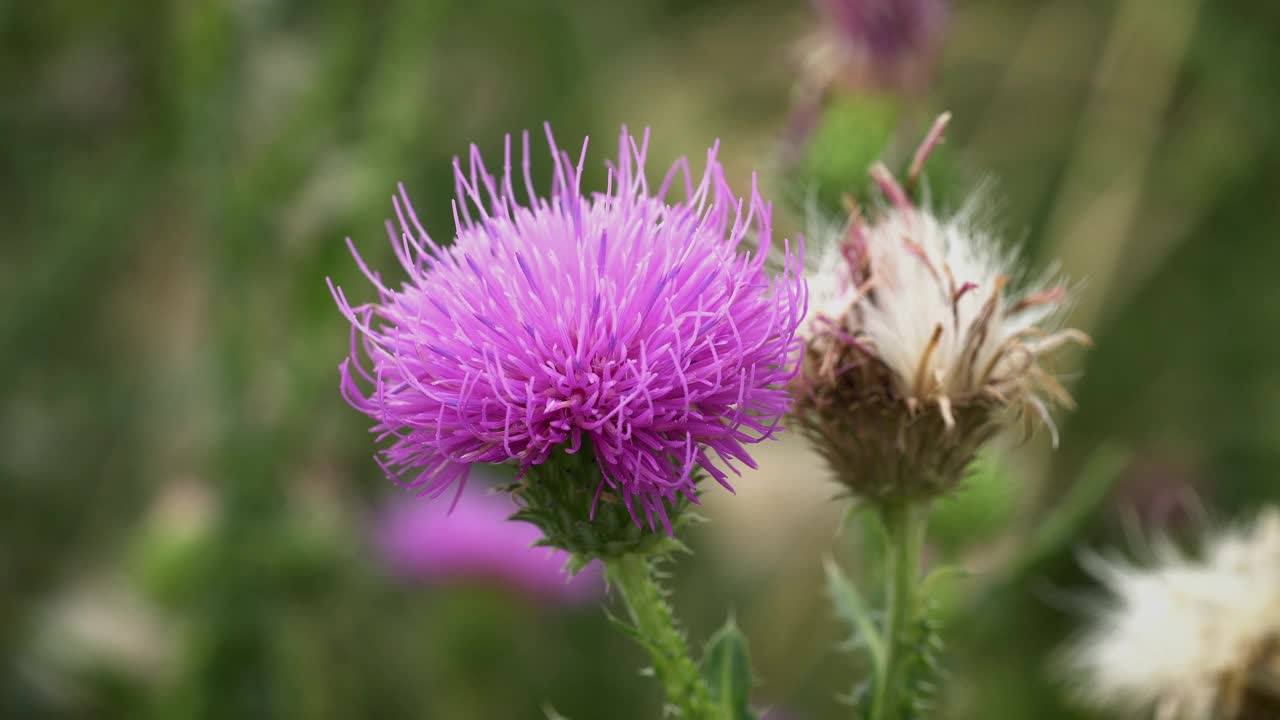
(905, 524)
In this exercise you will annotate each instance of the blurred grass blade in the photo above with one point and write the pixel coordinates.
(1066, 521)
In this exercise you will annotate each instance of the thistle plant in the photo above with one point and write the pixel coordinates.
(615, 348)
(876, 44)
(1187, 638)
(862, 76)
(923, 341)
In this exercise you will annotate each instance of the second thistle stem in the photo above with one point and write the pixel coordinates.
(906, 524)
(633, 575)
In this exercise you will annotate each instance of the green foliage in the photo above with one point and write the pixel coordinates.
(172, 568)
(980, 509)
(854, 610)
(902, 643)
(852, 135)
(864, 636)
(727, 668)
(716, 688)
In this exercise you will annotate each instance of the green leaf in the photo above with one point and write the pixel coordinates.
(853, 609)
(628, 630)
(851, 135)
(727, 668)
(940, 575)
(984, 505)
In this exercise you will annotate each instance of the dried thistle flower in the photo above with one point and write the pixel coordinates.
(1189, 639)
(917, 343)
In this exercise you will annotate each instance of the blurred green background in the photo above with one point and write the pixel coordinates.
(186, 502)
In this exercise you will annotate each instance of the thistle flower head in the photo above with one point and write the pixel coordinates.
(917, 340)
(619, 321)
(1190, 639)
(877, 43)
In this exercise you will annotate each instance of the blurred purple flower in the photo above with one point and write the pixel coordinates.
(886, 29)
(612, 319)
(1164, 493)
(887, 43)
(424, 542)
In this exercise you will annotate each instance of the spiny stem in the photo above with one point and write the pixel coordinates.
(633, 575)
(905, 524)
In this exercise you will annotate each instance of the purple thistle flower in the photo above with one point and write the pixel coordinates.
(889, 43)
(887, 29)
(614, 319)
(421, 542)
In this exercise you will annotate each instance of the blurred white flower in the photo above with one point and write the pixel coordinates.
(1189, 639)
(99, 626)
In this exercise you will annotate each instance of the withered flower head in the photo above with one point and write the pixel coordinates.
(920, 340)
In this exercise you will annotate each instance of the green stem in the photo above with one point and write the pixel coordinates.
(905, 524)
(633, 575)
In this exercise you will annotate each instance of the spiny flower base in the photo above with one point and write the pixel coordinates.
(879, 447)
(558, 497)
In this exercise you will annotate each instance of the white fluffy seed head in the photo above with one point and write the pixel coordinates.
(920, 333)
(1186, 639)
(935, 304)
